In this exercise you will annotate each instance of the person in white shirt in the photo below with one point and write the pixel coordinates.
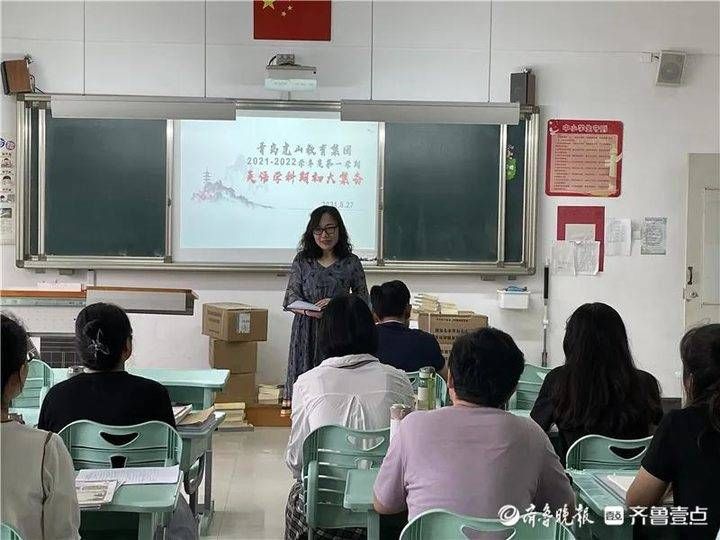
(38, 480)
(350, 387)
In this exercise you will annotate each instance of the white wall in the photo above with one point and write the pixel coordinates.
(589, 62)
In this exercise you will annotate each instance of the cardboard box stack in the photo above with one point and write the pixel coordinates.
(235, 330)
(445, 321)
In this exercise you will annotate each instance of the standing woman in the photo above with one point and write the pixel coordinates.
(324, 268)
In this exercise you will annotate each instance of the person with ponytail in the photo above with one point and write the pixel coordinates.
(105, 393)
(598, 391)
(685, 450)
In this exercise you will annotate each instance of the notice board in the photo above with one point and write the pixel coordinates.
(584, 158)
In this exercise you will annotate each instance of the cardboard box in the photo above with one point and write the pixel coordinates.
(236, 356)
(231, 321)
(239, 387)
(446, 328)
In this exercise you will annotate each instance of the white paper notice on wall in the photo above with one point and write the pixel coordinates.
(7, 190)
(654, 236)
(243, 323)
(618, 237)
(571, 258)
(580, 232)
(563, 258)
(587, 258)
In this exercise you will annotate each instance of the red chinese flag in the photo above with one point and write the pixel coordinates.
(305, 20)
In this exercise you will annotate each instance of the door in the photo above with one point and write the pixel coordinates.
(702, 289)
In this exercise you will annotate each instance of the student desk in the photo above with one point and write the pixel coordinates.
(197, 447)
(359, 498)
(596, 496)
(194, 387)
(149, 501)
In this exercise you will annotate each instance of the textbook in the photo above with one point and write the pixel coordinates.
(95, 494)
(197, 419)
(180, 412)
(306, 306)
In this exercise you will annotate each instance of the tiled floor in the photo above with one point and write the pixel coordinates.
(250, 484)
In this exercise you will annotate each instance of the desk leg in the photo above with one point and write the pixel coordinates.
(373, 525)
(146, 526)
(207, 507)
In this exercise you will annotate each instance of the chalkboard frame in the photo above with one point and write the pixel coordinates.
(31, 146)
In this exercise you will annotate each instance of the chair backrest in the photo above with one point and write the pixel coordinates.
(528, 387)
(330, 452)
(442, 397)
(97, 446)
(39, 377)
(598, 452)
(7, 532)
(449, 526)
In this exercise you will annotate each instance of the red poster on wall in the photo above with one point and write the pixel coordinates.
(582, 223)
(584, 158)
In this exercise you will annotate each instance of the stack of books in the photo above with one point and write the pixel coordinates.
(426, 303)
(269, 393)
(235, 419)
(197, 420)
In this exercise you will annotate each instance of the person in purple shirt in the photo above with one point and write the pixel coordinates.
(473, 458)
(399, 345)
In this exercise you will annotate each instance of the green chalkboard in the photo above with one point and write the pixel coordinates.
(441, 192)
(105, 187)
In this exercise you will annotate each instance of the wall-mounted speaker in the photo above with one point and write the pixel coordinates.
(670, 69)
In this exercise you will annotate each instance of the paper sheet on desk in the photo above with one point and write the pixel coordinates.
(132, 475)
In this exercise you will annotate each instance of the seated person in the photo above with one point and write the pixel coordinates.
(350, 387)
(473, 458)
(399, 345)
(38, 479)
(105, 393)
(599, 390)
(109, 395)
(685, 450)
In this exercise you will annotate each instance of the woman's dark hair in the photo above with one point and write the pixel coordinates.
(390, 299)
(347, 327)
(308, 247)
(600, 389)
(485, 366)
(700, 353)
(14, 347)
(101, 334)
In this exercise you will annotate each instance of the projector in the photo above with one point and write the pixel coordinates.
(290, 77)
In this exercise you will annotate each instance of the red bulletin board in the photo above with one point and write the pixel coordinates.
(583, 215)
(584, 158)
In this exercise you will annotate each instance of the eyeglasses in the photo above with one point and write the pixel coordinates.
(330, 230)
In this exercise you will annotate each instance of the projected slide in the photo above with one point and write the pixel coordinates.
(244, 189)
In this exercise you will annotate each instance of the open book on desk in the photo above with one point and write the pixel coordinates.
(302, 306)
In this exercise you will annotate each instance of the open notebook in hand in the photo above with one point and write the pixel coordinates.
(303, 306)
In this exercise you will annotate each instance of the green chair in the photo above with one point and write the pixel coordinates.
(441, 390)
(599, 452)
(528, 388)
(435, 524)
(8, 532)
(39, 379)
(97, 446)
(329, 453)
